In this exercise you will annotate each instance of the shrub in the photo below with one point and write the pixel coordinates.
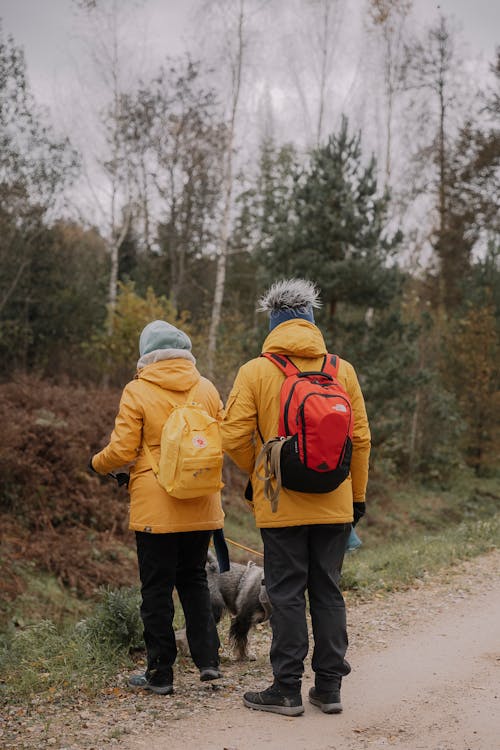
(116, 622)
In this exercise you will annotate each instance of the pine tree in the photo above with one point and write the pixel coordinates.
(335, 228)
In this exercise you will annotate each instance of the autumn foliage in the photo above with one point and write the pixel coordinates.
(53, 513)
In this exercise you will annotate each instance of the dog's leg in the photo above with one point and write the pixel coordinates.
(181, 642)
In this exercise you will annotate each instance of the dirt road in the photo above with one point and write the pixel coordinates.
(425, 676)
(433, 684)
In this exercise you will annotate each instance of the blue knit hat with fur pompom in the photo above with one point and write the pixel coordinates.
(288, 299)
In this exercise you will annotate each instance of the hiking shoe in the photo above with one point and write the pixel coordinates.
(328, 702)
(209, 673)
(273, 700)
(154, 681)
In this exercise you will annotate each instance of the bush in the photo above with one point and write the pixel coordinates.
(53, 513)
(115, 354)
(116, 622)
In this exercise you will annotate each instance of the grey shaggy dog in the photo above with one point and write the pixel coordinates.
(242, 593)
(239, 591)
(290, 294)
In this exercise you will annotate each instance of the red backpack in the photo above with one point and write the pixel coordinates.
(315, 430)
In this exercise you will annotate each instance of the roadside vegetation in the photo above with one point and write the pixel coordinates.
(55, 644)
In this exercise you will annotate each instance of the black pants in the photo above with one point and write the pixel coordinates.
(297, 558)
(165, 561)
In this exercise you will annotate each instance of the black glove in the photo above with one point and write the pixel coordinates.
(122, 478)
(359, 511)
(90, 468)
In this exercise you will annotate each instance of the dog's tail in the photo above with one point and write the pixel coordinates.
(240, 627)
(238, 633)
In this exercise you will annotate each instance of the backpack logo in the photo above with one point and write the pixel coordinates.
(313, 449)
(191, 456)
(199, 441)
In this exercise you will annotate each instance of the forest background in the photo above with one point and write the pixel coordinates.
(367, 160)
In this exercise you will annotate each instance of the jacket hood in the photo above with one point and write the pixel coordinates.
(296, 337)
(171, 374)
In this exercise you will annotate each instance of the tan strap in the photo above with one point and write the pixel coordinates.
(270, 457)
(174, 404)
(151, 459)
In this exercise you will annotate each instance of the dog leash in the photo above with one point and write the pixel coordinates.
(242, 546)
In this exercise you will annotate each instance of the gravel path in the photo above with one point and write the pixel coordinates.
(426, 676)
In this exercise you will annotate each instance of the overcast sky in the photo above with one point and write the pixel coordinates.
(47, 31)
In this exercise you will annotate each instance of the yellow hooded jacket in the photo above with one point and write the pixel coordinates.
(253, 405)
(142, 414)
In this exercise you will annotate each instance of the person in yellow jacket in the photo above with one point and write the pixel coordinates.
(172, 535)
(305, 538)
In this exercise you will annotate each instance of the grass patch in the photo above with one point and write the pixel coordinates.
(47, 658)
(56, 659)
(397, 564)
(43, 598)
(240, 527)
(399, 512)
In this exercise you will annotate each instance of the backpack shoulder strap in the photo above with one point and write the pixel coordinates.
(331, 365)
(153, 464)
(282, 363)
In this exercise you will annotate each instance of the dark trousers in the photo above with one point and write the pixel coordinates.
(296, 559)
(165, 561)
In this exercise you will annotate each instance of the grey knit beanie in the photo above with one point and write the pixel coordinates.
(162, 335)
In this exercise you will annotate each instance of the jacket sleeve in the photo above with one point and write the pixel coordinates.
(214, 405)
(240, 423)
(361, 438)
(126, 437)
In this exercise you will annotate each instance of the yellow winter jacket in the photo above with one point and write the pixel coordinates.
(253, 406)
(141, 415)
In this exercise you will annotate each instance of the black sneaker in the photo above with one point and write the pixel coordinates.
(154, 681)
(328, 702)
(209, 673)
(273, 700)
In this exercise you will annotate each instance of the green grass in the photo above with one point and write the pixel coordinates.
(398, 564)
(239, 526)
(46, 658)
(43, 598)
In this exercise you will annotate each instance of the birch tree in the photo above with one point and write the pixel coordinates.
(108, 172)
(430, 71)
(235, 49)
(388, 20)
(175, 141)
(312, 52)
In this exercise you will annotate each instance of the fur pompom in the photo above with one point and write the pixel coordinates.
(290, 294)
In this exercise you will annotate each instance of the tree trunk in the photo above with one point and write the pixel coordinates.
(324, 68)
(220, 280)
